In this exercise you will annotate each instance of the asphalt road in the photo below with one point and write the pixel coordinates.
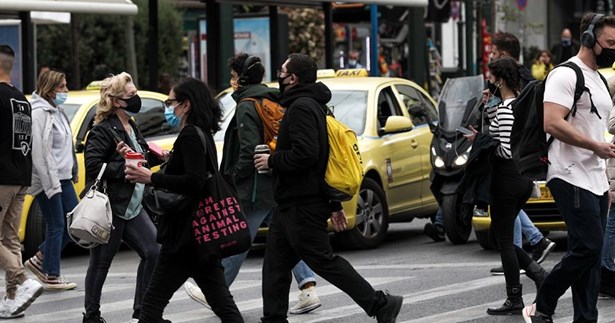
(440, 283)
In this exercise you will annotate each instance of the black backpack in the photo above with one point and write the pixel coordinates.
(528, 140)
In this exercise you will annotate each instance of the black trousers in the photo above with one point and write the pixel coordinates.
(172, 270)
(585, 215)
(300, 232)
(510, 192)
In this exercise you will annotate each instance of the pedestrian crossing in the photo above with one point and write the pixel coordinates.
(464, 301)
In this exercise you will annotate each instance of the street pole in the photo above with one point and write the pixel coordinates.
(374, 51)
(469, 13)
(152, 45)
(326, 7)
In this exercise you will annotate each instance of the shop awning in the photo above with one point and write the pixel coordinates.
(116, 7)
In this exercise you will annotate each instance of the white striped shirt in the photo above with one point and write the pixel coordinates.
(500, 127)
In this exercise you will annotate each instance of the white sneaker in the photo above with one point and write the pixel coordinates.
(308, 301)
(58, 283)
(26, 293)
(8, 307)
(196, 294)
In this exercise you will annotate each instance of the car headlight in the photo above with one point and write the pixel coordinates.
(438, 162)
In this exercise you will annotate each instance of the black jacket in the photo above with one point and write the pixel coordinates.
(302, 150)
(100, 148)
(185, 173)
(475, 185)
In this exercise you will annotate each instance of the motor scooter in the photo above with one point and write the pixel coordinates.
(459, 107)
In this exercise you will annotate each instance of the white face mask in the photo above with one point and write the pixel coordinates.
(352, 62)
(60, 98)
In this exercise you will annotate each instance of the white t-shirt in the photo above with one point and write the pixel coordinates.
(579, 166)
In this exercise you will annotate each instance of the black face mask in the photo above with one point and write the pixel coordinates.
(606, 57)
(494, 89)
(133, 104)
(281, 82)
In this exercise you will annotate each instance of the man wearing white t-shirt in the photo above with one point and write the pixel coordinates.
(577, 173)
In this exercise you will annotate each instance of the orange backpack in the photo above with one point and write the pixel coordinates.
(271, 114)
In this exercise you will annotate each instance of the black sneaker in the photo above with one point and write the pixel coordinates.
(498, 271)
(434, 231)
(389, 311)
(541, 250)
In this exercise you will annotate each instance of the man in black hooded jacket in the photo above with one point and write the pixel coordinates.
(299, 226)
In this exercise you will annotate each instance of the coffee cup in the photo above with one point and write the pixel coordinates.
(134, 158)
(262, 149)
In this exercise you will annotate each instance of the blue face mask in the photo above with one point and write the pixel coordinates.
(60, 98)
(172, 119)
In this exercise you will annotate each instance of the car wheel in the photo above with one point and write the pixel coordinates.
(35, 231)
(372, 218)
(457, 219)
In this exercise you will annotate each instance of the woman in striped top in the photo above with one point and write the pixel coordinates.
(509, 189)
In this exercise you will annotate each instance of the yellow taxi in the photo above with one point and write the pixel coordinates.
(394, 147)
(542, 211)
(80, 107)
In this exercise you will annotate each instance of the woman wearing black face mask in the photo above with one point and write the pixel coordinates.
(114, 135)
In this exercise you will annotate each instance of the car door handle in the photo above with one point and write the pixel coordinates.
(414, 144)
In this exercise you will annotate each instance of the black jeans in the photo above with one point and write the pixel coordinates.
(140, 235)
(510, 192)
(300, 232)
(172, 270)
(585, 215)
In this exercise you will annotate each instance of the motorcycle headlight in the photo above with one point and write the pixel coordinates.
(438, 162)
(461, 160)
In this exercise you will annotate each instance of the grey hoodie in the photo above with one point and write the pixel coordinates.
(44, 166)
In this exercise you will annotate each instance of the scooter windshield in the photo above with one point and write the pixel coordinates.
(459, 101)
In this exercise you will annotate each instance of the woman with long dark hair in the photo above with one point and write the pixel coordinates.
(190, 106)
(509, 190)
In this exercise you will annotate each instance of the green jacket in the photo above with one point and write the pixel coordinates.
(244, 132)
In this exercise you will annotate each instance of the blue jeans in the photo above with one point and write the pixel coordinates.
(608, 248)
(303, 273)
(439, 218)
(525, 225)
(54, 211)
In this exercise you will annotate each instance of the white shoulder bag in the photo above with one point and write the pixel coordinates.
(89, 223)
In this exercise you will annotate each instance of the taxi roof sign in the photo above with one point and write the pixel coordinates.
(360, 72)
(325, 73)
(94, 85)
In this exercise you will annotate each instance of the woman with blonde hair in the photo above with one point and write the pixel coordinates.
(114, 134)
(54, 169)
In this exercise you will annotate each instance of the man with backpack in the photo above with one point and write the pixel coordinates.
(246, 130)
(299, 227)
(576, 174)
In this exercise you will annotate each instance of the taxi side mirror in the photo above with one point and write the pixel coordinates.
(396, 124)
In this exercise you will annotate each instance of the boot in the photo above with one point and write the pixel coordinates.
(607, 283)
(513, 304)
(536, 273)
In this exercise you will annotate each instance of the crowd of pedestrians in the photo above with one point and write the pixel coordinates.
(282, 189)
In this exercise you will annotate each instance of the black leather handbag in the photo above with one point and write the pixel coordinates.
(159, 201)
